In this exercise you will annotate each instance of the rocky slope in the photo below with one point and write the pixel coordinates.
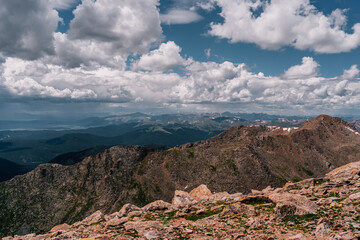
(323, 208)
(238, 160)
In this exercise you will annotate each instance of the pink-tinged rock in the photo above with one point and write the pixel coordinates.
(116, 222)
(322, 229)
(143, 227)
(221, 196)
(300, 185)
(124, 211)
(355, 196)
(181, 198)
(297, 237)
(61, 227)
(157, 205)
(345, 172)
(96, 217)
(200, 193)
(289, 204)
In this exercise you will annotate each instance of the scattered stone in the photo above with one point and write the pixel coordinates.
(181, 198)
(200, 193)
(61, 227)
(292, 204)
(116, 222)
(157, 205)
(300, 211)
(96, 217)
(322, 229)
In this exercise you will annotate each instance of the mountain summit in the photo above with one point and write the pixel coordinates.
(237, 160)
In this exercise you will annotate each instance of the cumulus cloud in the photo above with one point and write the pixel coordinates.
(129, 27)
(279, 23)
(351, 73)
(309, 68)
(165, 58)
(180, 16)
(28, 33)
(210, 83)
(63, 4)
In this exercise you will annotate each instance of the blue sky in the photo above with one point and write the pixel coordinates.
(108, 57)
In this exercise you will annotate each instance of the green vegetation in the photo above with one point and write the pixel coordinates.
(298, 219)
(207, 213)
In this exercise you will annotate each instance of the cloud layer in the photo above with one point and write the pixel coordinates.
(263, 22)
(117, 55)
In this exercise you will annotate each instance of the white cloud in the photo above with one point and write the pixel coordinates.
(128, 27)
(63, 4)
(27, 28)
(280, 23)
(351, 73)
(226, 84)
(165, 58)
(180, 16)
(207, 52)
(309, 68)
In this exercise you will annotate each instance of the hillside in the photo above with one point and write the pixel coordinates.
(237, 160)
(9, 169)
(322, 208)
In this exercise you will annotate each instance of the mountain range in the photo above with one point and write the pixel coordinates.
(237, 160)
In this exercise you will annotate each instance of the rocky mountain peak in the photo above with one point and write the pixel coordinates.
(240, 159)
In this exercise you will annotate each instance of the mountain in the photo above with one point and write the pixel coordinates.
(237, 160)
(356, 124)
(302, 210)
(9, 169)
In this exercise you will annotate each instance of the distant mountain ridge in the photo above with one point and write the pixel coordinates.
(237, 160)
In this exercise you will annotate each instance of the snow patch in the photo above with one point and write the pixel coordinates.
(352, 130)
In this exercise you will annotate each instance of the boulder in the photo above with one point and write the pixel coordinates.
(181, 198)
(96, 217)
(322, 229)
(116, 222)
(292, 204)
(355, 196)
(124, 211)
(300, 185)
(345, 172)
(61, 227)
(157, 205)
(200, 193)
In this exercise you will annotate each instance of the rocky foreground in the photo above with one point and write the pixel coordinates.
(324, 208)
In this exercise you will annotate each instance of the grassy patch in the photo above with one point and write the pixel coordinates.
(298, 219)
(206, 214)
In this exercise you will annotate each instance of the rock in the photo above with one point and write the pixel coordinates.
(96, 217)
(116, 222)
(239, 208)
(221, 196)
(355, 196)
(345, 172)
(181, 198)
(68, 235)
(290, 204)
(299, 185)
(297, 237)
(200, 193)
(267, 190)
(142, 227)
(61, 227)
(157, 205)
(322, 229)
(255, 222)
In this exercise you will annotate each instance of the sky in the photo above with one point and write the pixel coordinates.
(67, 58)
